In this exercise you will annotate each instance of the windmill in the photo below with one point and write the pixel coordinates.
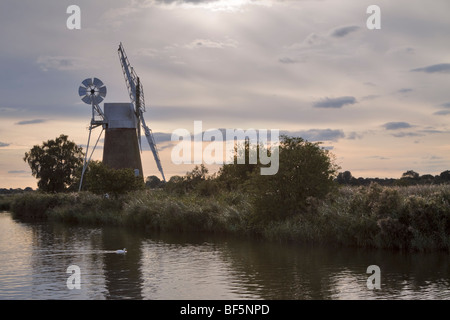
(92, 91)
(136, 93)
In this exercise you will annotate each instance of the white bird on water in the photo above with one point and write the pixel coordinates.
(122, 251)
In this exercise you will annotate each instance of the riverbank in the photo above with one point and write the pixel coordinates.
(414, 218)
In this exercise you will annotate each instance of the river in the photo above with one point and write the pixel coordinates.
(35, 257)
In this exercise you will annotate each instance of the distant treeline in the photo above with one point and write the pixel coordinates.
(15, 191)
(408, 178)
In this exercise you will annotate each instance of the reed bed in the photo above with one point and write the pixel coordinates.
(405, 217)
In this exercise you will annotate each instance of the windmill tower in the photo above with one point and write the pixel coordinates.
(121, 122)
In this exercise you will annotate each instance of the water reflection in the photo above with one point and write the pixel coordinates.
(34, 258)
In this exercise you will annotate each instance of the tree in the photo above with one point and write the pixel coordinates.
(235, 174)
(101, 179)
(306, 171)
(153, 182)
(55, 163)
(410, 174)
(344, 177)
(445, 175)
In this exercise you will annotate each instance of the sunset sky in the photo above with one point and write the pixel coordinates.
(378, 99)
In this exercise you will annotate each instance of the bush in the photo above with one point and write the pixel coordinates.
(306, 171)
(100, 179)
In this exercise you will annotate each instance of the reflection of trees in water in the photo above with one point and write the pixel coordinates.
(275, 271)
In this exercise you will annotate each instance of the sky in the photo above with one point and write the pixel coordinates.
(378, 99)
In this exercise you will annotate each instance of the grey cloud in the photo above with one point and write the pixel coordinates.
(4, 144)
(334, 102)
(378, 157)
(317, 134)
(435, 68)
(406, 134)
(396, 125)
(160, 137)
(370, 97)
(17, 171)
(431, 131)
(343, 31)
(34, 121)
(310, 135)
(60, 63)
(354, 135)
(419, 133)
(405, 90)
(207, 43)
(442, 112)
(287, 60)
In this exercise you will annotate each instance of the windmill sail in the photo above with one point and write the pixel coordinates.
(136, 93)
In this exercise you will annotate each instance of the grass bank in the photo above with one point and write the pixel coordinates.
(409, 218)
(149, 210)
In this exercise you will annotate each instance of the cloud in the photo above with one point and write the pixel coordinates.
(406, 134)
(396, 125)
(17, 171)
(214, 5)
(354, 135)
(160, 137)
(34, 121)
(4, 144)
(343, 31)
(405, 90)
(63, 63)
(435, 68)
(206, 43)
(334, 102)
(442, 112)
(317, 134)
(370, 97)
(287, 60)
(378, 157)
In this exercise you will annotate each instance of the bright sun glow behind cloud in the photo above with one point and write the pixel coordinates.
(212, 5)
(227, 5)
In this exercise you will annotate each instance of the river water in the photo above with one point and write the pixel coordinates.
(35, 257)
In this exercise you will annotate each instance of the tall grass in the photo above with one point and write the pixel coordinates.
(411, 218)
(407, 218)
(149, 210)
